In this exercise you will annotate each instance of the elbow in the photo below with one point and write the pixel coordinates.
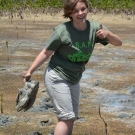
(120, 43)
(117, 43)
(115, 40)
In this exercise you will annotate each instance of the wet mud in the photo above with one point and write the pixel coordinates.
(107, 99)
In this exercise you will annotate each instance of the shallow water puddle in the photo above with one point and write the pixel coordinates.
(112, 101)
(94, 59)
(87, 74)
(12, 69)
(20, 53)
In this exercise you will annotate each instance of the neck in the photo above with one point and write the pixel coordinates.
(81, 26)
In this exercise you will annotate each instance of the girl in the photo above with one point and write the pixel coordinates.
(71, 44)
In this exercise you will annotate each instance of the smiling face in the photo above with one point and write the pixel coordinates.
(79, 14)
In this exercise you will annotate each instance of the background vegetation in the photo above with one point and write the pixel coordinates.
(55, 6)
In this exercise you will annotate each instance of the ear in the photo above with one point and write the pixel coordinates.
(71, 14)
(70, 18)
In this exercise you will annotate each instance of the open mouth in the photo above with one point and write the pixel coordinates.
(81, 17)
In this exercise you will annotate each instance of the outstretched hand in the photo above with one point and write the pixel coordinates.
(102, 33)
(26, 77)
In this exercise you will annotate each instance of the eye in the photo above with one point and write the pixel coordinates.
(83, 9)
(77, 11)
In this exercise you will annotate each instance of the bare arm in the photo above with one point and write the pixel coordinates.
(40, 59)
(113, 39)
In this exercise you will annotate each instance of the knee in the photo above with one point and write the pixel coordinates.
(69, 121)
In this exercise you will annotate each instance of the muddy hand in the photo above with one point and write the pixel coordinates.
(26, 78)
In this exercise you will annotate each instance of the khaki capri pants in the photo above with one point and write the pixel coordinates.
(64, 96)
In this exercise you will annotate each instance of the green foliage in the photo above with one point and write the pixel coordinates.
(113, 4)
(1, 103)
(14, 5)
(11, 4)
(1, 99)
(7, 44)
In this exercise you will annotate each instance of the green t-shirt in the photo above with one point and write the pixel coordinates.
(73, 49)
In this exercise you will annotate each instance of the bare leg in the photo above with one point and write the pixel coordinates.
(64, 127)
(71, 129)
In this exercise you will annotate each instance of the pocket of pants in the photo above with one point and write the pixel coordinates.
(51, 76)
(61, 87)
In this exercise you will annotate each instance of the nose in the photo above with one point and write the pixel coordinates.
(80, 12)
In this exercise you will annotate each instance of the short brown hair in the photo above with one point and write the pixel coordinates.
(69, 6)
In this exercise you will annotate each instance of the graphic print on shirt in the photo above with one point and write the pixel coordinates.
(80, 56)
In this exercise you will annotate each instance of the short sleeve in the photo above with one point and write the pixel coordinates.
(54, 42)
